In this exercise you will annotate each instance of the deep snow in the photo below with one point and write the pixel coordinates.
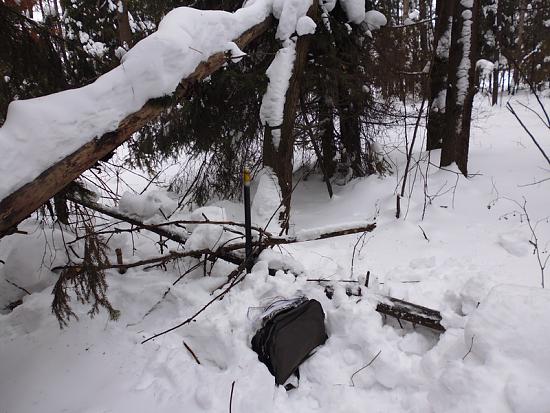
(493, 357)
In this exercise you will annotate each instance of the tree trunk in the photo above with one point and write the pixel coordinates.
(350, 130)
(519, 42)
(497, 29)
(460, 93)
(438, 76)
(406, 8)
(326, 123)
(124, 30)
(278, 154)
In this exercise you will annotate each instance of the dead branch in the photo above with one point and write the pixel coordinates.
(513, 112)
(157, 229)
(470, 350)
(236, 281)
(364, 367)
(231, 396)
(192, 352)
(18, 286)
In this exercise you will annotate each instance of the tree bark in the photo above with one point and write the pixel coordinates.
(460, 93)
(27, 199)
(124, 30)
(406, 8)
(439, 74)
(280, 159)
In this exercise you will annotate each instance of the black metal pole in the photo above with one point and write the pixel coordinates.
(247, 220)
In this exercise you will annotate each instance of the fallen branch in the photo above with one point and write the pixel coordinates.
(191, 352)
(18, 286)
(231, 396)
(236, 281)
(364, 367)
(225, 252)
(157, 229)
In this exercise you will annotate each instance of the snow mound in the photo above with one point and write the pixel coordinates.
(305, 25)
(149, 204)
(375, 20)
(509, 331)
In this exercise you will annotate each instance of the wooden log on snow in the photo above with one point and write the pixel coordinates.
(24, 201)
(413, 313)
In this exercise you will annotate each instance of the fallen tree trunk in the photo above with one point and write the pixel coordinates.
(24, 201)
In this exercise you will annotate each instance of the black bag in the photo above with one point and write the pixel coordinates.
(288, 336)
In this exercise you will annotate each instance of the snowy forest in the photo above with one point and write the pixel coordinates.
(274, 206)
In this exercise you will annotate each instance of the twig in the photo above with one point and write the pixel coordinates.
(470, 350)
(364, 367)
(513, 112)
(424, 233)
(328, 280)
(231, 396)
(219, 296)
(409, 156)
(192, 352)
(17, 286)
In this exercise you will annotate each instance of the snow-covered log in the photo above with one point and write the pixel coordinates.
(41, 177)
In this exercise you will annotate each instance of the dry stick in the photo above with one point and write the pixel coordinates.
(231, 396)
(18, 286)
(470, 350)
(533, 89)
(364, 367)
(535, 112)
(424, 233)
(192, 352)
(513, 112)
(409, 156)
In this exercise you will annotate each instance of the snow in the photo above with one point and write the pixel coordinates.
(279, 73)
(477, 268)
(354, 9)
(375, 20)
(305, 25)
(462, 73)
(149, 204)
(288, 12)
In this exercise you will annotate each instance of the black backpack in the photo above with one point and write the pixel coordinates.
(288, 336)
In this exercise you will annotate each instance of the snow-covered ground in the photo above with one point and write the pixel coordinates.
(476, 266)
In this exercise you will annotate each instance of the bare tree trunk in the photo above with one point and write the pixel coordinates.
(406, 8)
(461, 91)
(279, 157)
(438, 75)
(519, 42)
(326, 123)
(124, 30)
(350, 130)
(497, 34)
(423, 29)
